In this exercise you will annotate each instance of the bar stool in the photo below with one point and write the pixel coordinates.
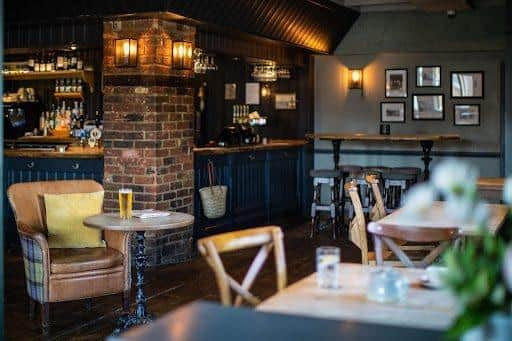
(331, 178)
(396, 182)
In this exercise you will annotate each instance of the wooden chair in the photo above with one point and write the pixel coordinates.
(266, 237)
(378, 211)
(386, 235)
(357, 227)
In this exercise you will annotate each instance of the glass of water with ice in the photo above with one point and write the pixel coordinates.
(327, 267)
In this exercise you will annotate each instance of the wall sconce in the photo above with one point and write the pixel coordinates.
(182, 58)
(126, 52)
(265, 91)
(355, 80)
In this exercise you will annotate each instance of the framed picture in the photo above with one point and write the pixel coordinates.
(467, 84)
(392, 112)
(428, 76)
(428, 107)
(396, 83)
(252, 93)
(286, 101)
(466, 114)
(229, 91)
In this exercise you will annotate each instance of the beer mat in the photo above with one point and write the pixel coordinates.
(149, 213)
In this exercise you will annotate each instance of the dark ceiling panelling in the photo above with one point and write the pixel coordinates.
(317, 25)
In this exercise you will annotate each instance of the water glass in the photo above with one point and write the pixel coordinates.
(387, 285)
(327, 267)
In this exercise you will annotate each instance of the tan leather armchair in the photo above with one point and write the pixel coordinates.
(56, 275)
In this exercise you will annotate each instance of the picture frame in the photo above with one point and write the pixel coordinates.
(252, 93)
(285, 101)
(392, 112)
(229, 91)
(467, 84)
(396, 83)
(428, 76)
(466, 114)
(428, 107)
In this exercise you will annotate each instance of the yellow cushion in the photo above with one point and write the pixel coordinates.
(64, 219)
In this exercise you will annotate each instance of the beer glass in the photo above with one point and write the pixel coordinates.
(125, 203)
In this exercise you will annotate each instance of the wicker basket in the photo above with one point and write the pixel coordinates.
(213, 197)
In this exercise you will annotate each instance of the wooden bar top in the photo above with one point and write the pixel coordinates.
(495, 184)
(378, 137)
(273, 144)
(72, 152)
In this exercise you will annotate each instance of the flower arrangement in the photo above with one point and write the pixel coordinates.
(480, 268)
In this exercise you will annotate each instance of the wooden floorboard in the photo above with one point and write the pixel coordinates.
(167, 287)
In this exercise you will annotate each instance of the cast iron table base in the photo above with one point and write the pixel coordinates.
(141, 316)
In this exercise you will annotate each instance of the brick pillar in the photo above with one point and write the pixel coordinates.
(148, 130)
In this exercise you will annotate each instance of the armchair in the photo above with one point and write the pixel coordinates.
(57, 275)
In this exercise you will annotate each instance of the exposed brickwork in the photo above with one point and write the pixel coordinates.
(148, 132)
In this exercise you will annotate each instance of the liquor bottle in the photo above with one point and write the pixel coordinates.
(73, 85)
(60, 61)
(65, 62)
(68, 85)
(73, 62)
(30, 63)
(79, 63)
(57, 86)
(97, 120)
(50, 66)
(79, 86)
(81, 114)
(42, 121)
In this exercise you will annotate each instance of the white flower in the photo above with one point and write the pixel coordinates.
(507, 190)
(481, 214)
(459, 209)
(455, 177)
(507, 268)
(419, 199)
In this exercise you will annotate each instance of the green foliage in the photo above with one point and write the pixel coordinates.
(475, 278)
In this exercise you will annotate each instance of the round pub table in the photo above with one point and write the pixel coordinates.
(112, 221)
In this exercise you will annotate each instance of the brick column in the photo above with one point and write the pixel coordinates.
(148, 130)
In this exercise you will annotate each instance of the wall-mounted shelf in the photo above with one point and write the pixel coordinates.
(68, 95)
(86, 76)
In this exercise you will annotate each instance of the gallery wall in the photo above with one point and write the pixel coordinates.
(472, 41)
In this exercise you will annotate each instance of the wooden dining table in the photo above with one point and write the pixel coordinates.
(422, 308)
(437, 217)
(490, 189)
(426, 141)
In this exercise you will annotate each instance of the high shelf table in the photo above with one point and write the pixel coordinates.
(112, 221)
(426, 141)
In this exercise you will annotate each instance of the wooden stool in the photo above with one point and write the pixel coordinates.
(348, 172)
(331, 178)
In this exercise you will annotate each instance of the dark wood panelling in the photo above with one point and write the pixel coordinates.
(318, 25)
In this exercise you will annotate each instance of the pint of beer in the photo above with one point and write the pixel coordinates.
(125, 203)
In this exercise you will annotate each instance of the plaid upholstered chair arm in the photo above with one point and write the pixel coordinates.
(36, 259)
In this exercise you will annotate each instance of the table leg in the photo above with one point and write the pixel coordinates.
(141, 316)
(336, 145)
(427, 148)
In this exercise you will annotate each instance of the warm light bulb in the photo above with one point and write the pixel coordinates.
(356, 75)
(126, 49)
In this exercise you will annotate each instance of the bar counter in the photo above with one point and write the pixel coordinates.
(72, 152)
(273, 144)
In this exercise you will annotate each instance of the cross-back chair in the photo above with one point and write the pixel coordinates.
(267, 238)
(378, 211)
(387, 235)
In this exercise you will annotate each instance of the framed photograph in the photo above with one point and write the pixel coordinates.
(467, 84)
(229, 91)
(252, 93)
(428, 107)
(286, 101)
(466, 114)
(428, 76)
(396, 83)
(392, 112)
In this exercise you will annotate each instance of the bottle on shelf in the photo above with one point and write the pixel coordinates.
(74, 62)
(30, 63)
(50, 66)
(65, 62)
(59, 64)
(79, 63)
(79, 85)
